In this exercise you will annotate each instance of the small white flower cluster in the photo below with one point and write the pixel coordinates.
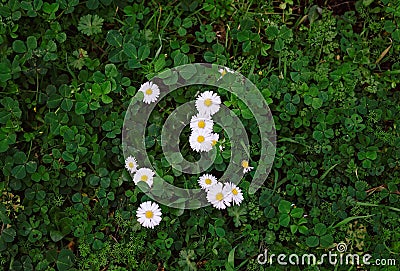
(246, 167)
(142, 174)
(151, 92)
(148, 213)
(202, 137)
(218, 194)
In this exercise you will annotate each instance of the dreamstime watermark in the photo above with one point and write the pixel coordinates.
(339, 257)
(210, 75)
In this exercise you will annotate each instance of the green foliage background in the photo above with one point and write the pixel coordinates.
(68, 69)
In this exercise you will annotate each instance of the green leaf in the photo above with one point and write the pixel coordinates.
(367, 163)
(8, 235)
(316, 103)
(188, 72)
(81, 108)
(106, 99)
(98, 244)
(348, 219)
(50, 8)
(284, 206)
(284, 220)
(90, 25)
(279, 45)
(320, 229)
(303, 229)
(246, 46)
(246, 114)
(172, 79)
(143, 52)
(372, 155)
(68, 156)
(66, 105)
(56, 235)
(5, 71)
(92, 4)
(243, 36)
(329, 133)
(71, 167)
(180, 59)
(318, 135)
(114, 38)
(106, 87)
(31, 167)
(65, 260)
(389, 26)
(230, 264)
(19, 172)
(19, 46)
(130, 50)
(54, 101)
(396, 35)
(111, 71)
(31, 42)
(326, 240)
(272, 32)
(220, 232)
(367, 2)
(297, 212)
(312, 241)
(19, 157)
(76, 197)
(269, 212)
(160, 63)
(293, 228)
(34, 236)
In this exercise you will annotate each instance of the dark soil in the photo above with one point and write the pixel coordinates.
(338, 7)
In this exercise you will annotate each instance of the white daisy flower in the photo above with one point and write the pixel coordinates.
(214, 139)
(201, 122)
(149, 214)
(218, 197)
(234, 192)
(144, 175)
(200, 141)
(224, 71)
(208, 103)
(150, 91)
(246, 167)
(131, 164)
(206, 181)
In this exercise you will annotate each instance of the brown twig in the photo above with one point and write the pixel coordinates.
(379, 188)
(95, 44)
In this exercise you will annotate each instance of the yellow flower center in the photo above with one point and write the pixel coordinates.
(234, 191)
(208, 181)
(223, 72)
(200, 139)
(144, 178)
(149, 214)
(149, 91)
(131, 165)
(213, 142)
(245, 164)
(219, 197)
(201, 124)
(207, 102)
